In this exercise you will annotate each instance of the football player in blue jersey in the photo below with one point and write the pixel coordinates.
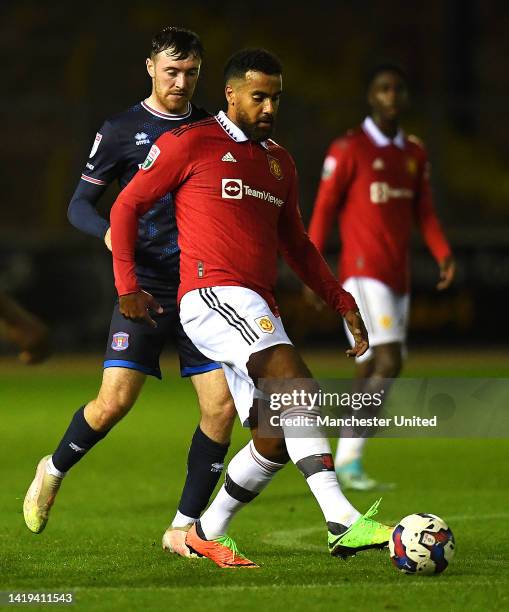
(133, 348)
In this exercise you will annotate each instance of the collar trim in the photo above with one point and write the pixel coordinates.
(379, 138)
(169, 116)
(233, 131)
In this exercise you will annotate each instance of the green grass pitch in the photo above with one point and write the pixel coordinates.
(103, 539)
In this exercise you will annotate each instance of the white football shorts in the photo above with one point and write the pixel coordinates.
(385, 313)
(229, 324)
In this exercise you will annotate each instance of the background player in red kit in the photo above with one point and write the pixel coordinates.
(375, 183)
(236, 206)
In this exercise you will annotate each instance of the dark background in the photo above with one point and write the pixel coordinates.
(68, 66)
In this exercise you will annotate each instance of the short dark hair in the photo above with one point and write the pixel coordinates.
(251, 59)
(386, 67)
(182, 42)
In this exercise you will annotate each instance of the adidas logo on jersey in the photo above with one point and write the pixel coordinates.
(141, 138)
(228, 157)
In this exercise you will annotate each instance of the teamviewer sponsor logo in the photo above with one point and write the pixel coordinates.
(231, 189)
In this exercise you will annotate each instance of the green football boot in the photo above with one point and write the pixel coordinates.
(364, 534)
(40, 497)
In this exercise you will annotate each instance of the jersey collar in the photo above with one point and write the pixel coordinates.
(169, 116)
(233, 131)
(379, 138)
(230, 128)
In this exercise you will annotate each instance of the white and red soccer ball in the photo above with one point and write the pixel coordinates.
(421, 544)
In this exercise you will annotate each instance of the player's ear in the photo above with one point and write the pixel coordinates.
(150, 67)
(229, 92)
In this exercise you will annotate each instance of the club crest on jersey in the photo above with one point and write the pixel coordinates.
(120, 341)
(386, 321)
(378, 164)
(275, 167)
(411, 166)
(153, 154)
(265, 324)
(95, 146)
(231, 189)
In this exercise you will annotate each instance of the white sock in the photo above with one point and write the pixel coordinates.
(324, 484)
(52, 470)
(181, 520)
(248, 470)
(335, 506)
(348, 450)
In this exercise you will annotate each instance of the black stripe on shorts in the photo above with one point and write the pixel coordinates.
(226, 316)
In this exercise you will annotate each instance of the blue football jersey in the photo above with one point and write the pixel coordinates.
(119, 149)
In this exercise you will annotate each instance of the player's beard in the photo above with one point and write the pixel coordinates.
(251, 128)
(175, 106)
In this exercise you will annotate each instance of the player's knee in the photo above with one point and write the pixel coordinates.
(273, 449)
(107, 411)
(220, 408)
(388, 365)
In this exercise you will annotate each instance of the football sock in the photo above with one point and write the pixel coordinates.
(52, 470)
(349, 449)
(247, 475)
(181, 520)
(314, 459)
(205, 462)
(78, 440)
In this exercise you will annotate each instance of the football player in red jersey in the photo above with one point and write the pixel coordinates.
(236, 203)
(375, 184)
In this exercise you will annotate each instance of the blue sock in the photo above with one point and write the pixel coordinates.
(205, 463)
(78, 439)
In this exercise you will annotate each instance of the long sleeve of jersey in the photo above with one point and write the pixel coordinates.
(99, 171)
(163, 170)
(337, 173)
(82, 211)
(427, 220)
(305, 259)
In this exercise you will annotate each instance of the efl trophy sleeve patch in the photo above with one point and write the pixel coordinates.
(153, 154)
(95, 146)
(329, 166)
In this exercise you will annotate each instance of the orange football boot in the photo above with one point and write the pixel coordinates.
(223, 550)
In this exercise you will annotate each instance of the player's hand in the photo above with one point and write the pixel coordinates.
(447, 272)
(359, 332)
(32, 338)
(107, 238)
(136, 306)
(312, 299)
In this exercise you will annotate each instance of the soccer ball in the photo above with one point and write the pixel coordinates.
(421, 544)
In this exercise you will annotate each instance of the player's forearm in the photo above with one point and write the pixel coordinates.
(322, 219)
(432, 233)
(124, 232)
(312, 269)
(82, 211)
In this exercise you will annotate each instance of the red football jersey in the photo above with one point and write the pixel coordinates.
(236, 204)
(377, 189)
